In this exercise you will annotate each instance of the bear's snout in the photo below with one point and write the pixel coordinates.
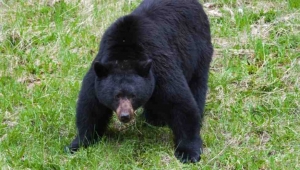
(124, 117)
(125, 111)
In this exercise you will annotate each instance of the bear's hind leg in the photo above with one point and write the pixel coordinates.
(154, 119)
(198, 87)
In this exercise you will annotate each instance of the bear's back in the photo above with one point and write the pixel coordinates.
(175, 34)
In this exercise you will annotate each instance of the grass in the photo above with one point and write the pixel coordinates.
(253, 106)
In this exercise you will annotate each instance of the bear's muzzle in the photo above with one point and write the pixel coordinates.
(125, 111)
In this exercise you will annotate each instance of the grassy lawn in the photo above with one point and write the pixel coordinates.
(253, 106)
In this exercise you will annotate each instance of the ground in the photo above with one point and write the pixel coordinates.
(252, 111)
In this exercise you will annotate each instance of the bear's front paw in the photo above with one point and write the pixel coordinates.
(73, 147)
(186, 156)
(70, 149)
(189, 150)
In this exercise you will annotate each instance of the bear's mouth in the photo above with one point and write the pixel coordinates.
(125, 111)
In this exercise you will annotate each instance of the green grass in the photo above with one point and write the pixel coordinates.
(252, 111)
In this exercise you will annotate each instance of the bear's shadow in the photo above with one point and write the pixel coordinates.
(137, 130)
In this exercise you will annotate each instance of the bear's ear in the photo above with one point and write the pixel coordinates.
(101, 70)
(144, 68)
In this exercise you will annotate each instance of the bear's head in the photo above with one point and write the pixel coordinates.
(124, 86)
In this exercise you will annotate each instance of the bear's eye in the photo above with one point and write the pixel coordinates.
(132, 96)
(118, 96)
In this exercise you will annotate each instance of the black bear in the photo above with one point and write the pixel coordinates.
(158, 58)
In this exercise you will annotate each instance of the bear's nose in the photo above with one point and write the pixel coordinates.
(125, 117)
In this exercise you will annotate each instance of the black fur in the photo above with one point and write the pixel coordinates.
(158, 56)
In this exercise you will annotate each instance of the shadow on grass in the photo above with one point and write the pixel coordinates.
(137, 134)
